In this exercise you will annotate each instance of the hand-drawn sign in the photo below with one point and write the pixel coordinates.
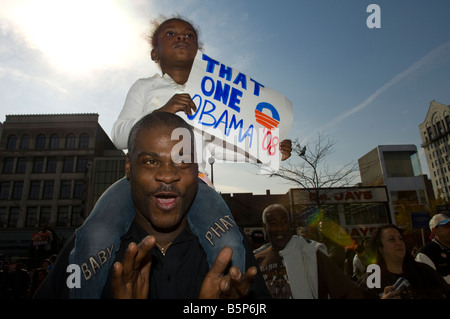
(237, 110)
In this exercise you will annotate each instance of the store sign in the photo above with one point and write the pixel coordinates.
(420, 219)
(339, 195)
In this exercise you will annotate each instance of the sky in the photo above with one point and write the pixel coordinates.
(361, 86)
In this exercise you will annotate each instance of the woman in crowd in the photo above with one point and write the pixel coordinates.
(422, 282)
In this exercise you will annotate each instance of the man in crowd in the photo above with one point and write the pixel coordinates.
(437, 253)
(159, 257)
(298, 268)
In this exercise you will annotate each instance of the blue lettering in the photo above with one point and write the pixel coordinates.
(191, 117)
(239, 125)
(234, 99)
(222, 93)
(235, 125)
(211, 63)
(242, 79)
(203, 86)
(250, 135)
(207, 112)
(257, 86)
(225, 71)
(206, 117)
(221, 120)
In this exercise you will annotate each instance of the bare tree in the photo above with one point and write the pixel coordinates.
(311, 171)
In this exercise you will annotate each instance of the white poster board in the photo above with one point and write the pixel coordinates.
(237, 112)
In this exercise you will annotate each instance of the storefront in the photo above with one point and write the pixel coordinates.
(354, 211)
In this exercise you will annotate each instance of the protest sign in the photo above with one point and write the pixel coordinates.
(237, 113)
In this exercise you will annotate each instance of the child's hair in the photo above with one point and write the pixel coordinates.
(156, 23)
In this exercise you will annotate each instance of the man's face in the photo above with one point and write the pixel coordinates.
(442, 234)
(278, 228)
(177, 44)
(162, 189)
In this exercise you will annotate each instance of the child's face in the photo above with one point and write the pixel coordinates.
(176, 45)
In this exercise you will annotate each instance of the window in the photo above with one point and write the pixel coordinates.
(65, 189)
(70, 141)
(40, 142)
(430, 133)
(35, 189)
(11, 143)
(68, 164)
(38, 165)
(400, 163)
(77, 216)
(79, 189)
(439, 128)
(31, 218)
(3, 217)
(81, 163)
(48, 189)
(25, 142)
(17, 190)
(13, 216)
(365, 213)
(84, 140)
(397, 197)
(45, 216)
(63, 216)
(8, 165)
(4, 190)
(21, 165)
(106, 173)
(51, 165)
(54, 141)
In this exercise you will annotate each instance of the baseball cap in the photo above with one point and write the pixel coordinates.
(438, 220)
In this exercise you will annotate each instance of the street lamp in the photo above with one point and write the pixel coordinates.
(211, 162)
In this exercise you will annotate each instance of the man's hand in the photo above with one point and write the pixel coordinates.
(217, 285)
(131, 277)
(179, 102)
(285, 149)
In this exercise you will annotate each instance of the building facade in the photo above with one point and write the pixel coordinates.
(434, 132)
(398, 168)
(53, 169)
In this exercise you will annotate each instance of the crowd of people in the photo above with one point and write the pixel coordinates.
(423, 275)
(164, 232)
(19, 280)
(284, 259)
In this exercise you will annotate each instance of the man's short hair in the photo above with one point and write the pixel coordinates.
(157, 119)
(272, 208)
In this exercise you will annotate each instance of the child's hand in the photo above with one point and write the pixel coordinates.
(286, 149)
(179, 102)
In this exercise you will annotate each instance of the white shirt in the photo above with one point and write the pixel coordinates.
(144, 96)
(358, 266)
